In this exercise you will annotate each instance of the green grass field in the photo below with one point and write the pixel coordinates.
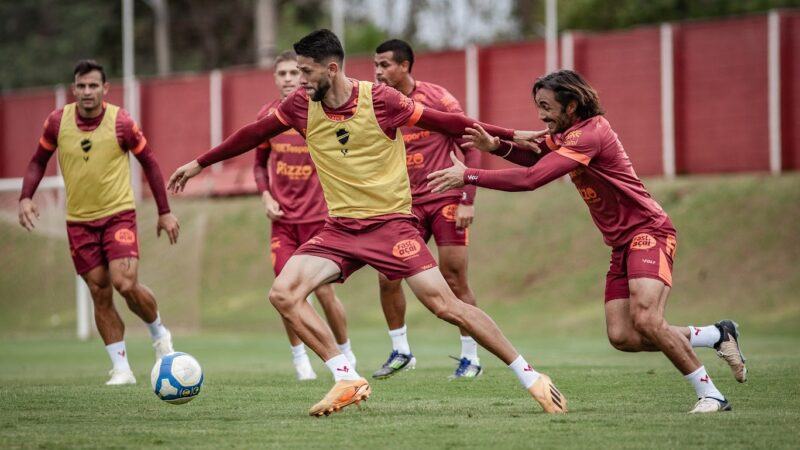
(53, 397)
(537, 266)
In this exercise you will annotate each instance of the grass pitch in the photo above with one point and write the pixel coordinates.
(52, 396)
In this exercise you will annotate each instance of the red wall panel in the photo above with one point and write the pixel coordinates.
(23, 116)
(506, 76)
(790, 90)
(175, 119)
(625, 68)
(721, 96)
(244, 93)
(447, 69)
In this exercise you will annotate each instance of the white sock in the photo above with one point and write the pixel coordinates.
(703, 385)
(400, 340)
(341, 369)
(469, 349)
(347, 351)
(157, 329)
(704, 336)
(299, 353)
(119, 356)
(524, 372)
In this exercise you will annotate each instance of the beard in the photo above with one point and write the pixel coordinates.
(321, 90)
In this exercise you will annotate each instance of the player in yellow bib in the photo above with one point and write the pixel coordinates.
(351, 131)
(93, 139)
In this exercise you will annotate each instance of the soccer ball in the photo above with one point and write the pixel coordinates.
(176, 378)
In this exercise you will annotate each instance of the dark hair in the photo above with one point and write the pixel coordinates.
(569, 86)
(320, 45)
(85, 66)
(288, 55)
(401, 51)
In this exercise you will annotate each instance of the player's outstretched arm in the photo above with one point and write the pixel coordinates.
(551, 167)
(243, 140)
(526, 150)
(455, 124)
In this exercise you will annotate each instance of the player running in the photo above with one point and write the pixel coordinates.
(293, 201)
(579, 141)
(445, 216)
(93, 139)
(350, 127)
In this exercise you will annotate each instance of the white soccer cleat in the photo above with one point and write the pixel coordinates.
(163, 346)
(710, 405)
(120, 377)
(304, 371)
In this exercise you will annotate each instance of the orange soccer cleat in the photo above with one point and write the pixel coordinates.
(546, 393)
(343, 393)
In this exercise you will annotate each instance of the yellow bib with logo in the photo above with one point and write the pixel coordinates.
(362, 172)
(95, 168)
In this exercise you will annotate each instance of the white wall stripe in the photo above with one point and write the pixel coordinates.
(667, 103)
(472, 82)
(774, 75)
(215, 106)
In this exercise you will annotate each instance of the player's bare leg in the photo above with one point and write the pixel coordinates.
(643, 313)
(432, 290)
(301, 275)
(124, 274)
(337, 319)
(722, 336)
(109, 324)
(453, 262)
(393, 303)
(302, 365)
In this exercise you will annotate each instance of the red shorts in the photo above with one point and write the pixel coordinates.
(648, 255)
(96, 242)
(438, 219)
(391, 245)
(288, 237)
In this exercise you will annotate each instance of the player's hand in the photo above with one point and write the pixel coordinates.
(450, 178)
(465, 214)
(522, 137)
(27, 213)
(271, 206)
(478, 138)
(178, 179)
(169, 223)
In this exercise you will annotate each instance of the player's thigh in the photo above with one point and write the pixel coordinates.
(453, 261)
(124, 272)
(97, 278)
(430, 287)
(648, 299)
(304, 273)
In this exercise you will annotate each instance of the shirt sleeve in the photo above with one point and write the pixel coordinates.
(260, 171)
(244, 140)
(50, 129)
(551, 167)
(155, 180)
(397, 108)
(578, 145)
(129, 136)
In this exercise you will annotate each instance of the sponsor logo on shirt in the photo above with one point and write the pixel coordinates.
(572, 137)
(414, 160)
(406, 249)
(643, 241)
(294, 171)
(671, 245)
(472, 178)
(411, 137)
(283, 147)
(589, 195)
(125, 236)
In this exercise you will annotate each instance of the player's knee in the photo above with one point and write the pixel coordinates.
(623, 341)
(281, 297)
(646, 323)
(125, 286)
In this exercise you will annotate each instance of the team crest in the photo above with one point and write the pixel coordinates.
(572, 137)
(342, 135)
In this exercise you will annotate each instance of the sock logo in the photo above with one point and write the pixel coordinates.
(696, 331)
(344, 369)
(528, 368)
(704, 379)
(122, 353)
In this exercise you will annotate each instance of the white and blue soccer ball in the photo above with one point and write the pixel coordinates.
(177, 378)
